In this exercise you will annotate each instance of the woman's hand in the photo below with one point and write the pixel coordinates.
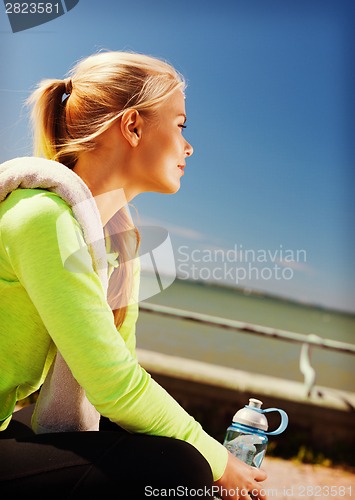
(240, 481)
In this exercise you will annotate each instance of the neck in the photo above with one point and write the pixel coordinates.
(105, 185)
(109, 203)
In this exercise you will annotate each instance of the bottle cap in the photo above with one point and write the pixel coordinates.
(252, 415)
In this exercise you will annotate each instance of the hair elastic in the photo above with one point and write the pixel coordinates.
(68, 86)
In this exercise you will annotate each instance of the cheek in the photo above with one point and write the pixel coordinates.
(163, 149)
(166, 153)
(150, 159)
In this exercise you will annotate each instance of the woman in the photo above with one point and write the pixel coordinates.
(108, 132)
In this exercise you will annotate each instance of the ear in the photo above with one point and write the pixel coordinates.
(131, 126)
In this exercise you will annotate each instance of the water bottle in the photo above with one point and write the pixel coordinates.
(247, 436)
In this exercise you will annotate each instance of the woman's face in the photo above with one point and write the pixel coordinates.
(163, 148)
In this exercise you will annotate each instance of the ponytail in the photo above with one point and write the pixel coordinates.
(48, 117)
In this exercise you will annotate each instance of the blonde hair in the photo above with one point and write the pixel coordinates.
(68, 116)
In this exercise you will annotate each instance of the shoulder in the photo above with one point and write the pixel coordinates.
(27, 209)
(23, 204)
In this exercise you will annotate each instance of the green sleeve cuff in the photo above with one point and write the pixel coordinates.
(214, 452)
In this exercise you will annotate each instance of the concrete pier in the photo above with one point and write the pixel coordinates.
(323, 421)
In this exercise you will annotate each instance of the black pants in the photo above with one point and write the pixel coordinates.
(100, 464)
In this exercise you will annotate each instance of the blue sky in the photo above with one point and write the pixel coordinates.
(270, 115)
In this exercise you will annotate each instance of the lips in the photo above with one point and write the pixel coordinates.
(181, 167)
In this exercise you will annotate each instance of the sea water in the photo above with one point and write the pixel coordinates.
(234, 349)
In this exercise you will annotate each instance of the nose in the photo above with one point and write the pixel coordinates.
(188, 149)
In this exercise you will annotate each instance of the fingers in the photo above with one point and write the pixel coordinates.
(262, 493)
(253, 495)
(241, 481)
(244, 495)
(257, 493)
(259, 474)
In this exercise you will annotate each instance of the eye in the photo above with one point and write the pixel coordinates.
(182, 126)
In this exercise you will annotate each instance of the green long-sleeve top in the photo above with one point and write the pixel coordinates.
(44, 306)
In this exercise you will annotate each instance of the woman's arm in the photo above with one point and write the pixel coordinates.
(46, 248)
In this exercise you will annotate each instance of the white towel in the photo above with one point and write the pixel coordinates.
(62, 404)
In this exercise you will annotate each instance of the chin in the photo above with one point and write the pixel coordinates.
(175, 190)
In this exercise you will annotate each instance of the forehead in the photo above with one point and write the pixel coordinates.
(174, 105)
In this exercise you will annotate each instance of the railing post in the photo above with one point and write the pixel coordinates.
(306, 368)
